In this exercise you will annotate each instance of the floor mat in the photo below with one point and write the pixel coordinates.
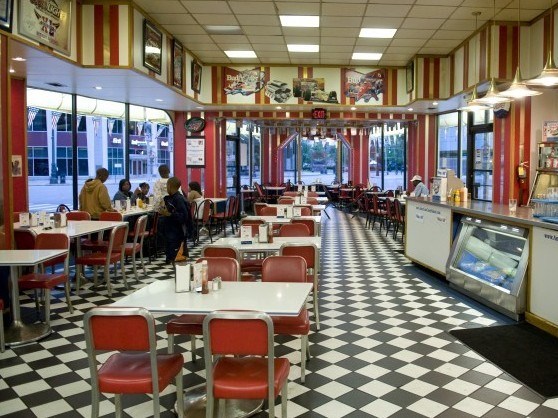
(521, 350)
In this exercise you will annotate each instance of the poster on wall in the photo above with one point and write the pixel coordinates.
(195, 151)
(47, 22)
(6, 12)
(313, 90)
(244, 82)
(550, 131)
(364, 87)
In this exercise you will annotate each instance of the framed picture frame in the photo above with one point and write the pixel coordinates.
(17, 166)
(195, 151)
(152, 47)
(196, 76)
(6, 14)
(410, 70)
(36, 22)
(177, 64)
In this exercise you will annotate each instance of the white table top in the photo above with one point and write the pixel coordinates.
(278, 188)
(213, 199)
(136, 211)
(27, 257)
(276, 220)
(267, 246)
(75, 228)
(273, 298)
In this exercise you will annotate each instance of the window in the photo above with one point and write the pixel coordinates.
(388, 156)
(100, 143)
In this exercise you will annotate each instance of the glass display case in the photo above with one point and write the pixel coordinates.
(547, 170)
(488, 262)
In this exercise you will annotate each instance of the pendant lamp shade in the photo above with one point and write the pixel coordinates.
(549, 75)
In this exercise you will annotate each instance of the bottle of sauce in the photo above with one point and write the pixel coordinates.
(270, 232)
(205, 280)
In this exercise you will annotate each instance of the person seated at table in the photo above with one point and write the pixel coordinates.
(194, 191)
(142, 191)
(175, 219)
(94, 197)
(420, 190)
(124, 192)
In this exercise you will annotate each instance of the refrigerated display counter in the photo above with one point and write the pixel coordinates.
(488, 262)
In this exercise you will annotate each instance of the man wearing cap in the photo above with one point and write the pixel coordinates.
(420, 189)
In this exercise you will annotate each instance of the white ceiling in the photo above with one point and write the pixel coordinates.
(423, 27)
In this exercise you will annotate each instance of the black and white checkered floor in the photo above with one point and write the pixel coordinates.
(383, 351)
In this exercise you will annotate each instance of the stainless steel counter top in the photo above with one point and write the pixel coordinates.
(495, 211)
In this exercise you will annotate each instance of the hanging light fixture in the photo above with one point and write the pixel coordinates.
(549, 75)
(518, 88)
(493, 96)
(473, 103)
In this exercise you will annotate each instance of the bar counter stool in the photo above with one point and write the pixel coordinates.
(136, 367)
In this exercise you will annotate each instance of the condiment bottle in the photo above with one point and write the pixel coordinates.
(205, 283)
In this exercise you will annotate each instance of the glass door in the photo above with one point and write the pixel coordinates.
(482, 144)
(233, 165)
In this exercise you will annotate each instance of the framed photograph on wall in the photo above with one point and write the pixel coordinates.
(38, 22)
(195, 151)
(6, 13)
(177, 64)
(410, 76)
(17, 166)
(196, 76)
(152, 46)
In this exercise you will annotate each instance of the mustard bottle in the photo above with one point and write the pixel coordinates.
(457, 197)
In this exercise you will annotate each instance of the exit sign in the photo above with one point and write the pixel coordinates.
(319, 113)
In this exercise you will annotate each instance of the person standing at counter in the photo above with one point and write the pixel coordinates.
(160, 186)
(420, 190)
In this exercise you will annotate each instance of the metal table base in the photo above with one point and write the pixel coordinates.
(19, 333)
(195, 400)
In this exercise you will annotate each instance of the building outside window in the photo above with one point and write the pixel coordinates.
(388, 156)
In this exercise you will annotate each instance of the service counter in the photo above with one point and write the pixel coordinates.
(432, 230)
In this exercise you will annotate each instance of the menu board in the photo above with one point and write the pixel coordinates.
(195, 151)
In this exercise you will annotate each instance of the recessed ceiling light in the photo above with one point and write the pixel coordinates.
(371, 56)
(98, 88)
(300, 21)
(303, 48)
(241, 54)
(18, 59)
(278, 107)
(199, 107)
(353, 108)
(224, 30)
(377, 33)
(434, 103)
(12, 70)
(159, 100)
(410, 109)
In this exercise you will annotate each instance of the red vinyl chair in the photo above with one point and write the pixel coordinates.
(311, 255)
(100, 242)
(113, 254)
(221, 218)
(245, 366)
(310, 223)
(286, 200)
(290, 194)
(305, 210)
(289, 268)
(268, 211)
(294, 230)
(47, 281)
(136, 246)
(311, 201)
(2, 338)
(135, 367)
(78, 215)
(190, 324)
(258, 206)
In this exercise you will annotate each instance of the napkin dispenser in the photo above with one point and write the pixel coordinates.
(297, 211)
(262, 233)
(289, 212)
(24, 219)
(33, 219)
(63, 219)
(182, 274)
(57, 221)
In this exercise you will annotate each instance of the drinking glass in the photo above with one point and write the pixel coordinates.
(512, 204)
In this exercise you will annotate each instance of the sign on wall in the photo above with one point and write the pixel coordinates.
(47, 22)
(195, 151)
(365, 87)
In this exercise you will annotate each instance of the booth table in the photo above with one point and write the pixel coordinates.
(18, 332)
